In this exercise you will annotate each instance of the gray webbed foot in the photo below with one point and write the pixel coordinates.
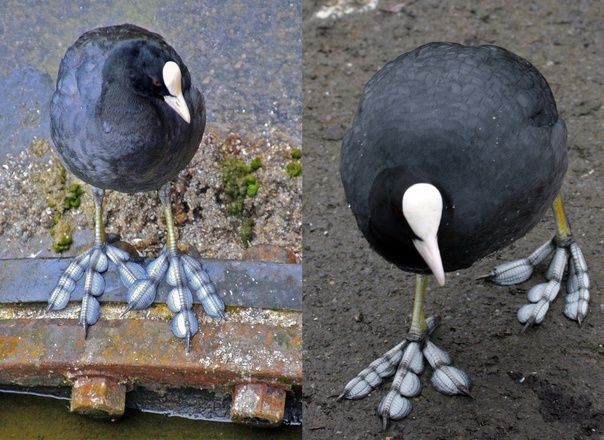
(406, 362)
(540, 296)
(184, 274)
(93, 262)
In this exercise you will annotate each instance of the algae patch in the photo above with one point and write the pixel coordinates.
(294, 168)
(296, 153)
(60, 198)
(240, 184)
(62, 236)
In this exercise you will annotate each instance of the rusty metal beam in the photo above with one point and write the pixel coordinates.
(254, 344)
(258, 346)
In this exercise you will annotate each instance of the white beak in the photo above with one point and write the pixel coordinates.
(176, 100)
(423, 207)
(429, 251)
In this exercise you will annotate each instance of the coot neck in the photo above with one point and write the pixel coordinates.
(132, 107)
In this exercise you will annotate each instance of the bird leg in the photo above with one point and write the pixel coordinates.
(566, 251)
(184, 273)
(93, 262)
(406, 362)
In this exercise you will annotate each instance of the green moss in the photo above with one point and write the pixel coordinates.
(296, 154)
(61, 236)
(234, 173)
(63, 244)
(255, 164)
(240, 183)
(252, 189)
(61, 198)
(247, 231)
(293, 169)
(250, 179)
(72, 198)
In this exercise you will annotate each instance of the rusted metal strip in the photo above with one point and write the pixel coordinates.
(249, 346)
(258, 346)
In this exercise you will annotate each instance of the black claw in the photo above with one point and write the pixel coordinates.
(341, 396)
(126, 310)
(385, 421)
(527, 326)
(465, 391)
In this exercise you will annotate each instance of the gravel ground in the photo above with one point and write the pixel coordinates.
(34, 177)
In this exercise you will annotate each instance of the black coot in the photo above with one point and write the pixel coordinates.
(456, 152)
(126, 117)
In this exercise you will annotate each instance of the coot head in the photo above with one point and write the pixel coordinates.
(143, 68)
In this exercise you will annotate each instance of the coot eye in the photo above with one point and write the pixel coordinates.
(398, 212)
(156, 82)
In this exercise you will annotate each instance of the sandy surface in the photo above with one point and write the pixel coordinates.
(199, 203)
(357, 306)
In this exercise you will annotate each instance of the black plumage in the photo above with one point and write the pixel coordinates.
(110, 124)
(125, 117)
(480, 124)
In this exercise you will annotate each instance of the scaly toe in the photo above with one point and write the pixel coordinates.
(531, 314)
(406, 362)
(93, 263)
(185, 326)
(393, 407)
(128, 270)
(451, 380)
(60, 295)
(518, 271)
(446, 378)
(94, 285)
(368, 379)
(185, 275)
(542, 295)
(142, 292)
(577, 287)
(200, 283)
(90, 312)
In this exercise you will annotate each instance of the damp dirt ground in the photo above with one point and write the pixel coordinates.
(357, 306)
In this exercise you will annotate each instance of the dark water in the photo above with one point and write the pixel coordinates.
(38, 418)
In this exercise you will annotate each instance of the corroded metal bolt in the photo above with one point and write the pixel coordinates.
(258, 404)
(269, 254)
(98, 396)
